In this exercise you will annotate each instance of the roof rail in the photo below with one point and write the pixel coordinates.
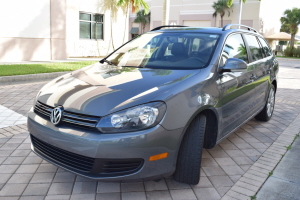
(228, 26)
(170, 26)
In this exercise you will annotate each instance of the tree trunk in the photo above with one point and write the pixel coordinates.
(126, 16)
(292, 41)
(240, 12)
(166, 10)
(111, 32)
(216, 21)
(221, 21)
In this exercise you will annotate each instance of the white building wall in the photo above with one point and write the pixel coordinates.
(49, 29)
(77, 47)
(25, 30)
(22, 19)
(201, 12)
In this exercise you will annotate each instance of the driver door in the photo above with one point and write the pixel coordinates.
(237, 91)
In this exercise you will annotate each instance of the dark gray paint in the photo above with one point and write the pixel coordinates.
(101, 90)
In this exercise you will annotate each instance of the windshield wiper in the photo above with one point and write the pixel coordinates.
(107, 61)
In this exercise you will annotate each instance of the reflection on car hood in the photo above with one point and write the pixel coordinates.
(101, 89)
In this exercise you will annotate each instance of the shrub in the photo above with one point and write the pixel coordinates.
(288, 52)
(294, 52)
(298, 52)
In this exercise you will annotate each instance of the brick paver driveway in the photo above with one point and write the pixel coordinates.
(26, 176)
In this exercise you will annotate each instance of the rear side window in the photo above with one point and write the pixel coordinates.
(256, 52)
(234, 48)
(265, 46)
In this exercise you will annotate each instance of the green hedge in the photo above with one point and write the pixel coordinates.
(288, 52)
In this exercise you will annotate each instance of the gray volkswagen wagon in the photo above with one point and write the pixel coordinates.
(148, 109)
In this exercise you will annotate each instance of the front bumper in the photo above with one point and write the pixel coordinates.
(92, 148)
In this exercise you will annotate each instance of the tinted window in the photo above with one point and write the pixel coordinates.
(196, 44)
(265, 46)
(255, 49)
(234, 48)
(167, 50)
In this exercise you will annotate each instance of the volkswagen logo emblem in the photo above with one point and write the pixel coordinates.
(56, 115)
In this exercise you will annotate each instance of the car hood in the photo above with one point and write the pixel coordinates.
(101, 89)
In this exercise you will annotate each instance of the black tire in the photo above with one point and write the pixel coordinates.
(190, 153)
(266, 114)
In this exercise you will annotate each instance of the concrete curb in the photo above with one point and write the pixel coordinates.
(31, 77)
(287, 59)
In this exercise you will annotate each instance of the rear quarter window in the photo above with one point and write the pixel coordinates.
(256, 52)
(265, 47)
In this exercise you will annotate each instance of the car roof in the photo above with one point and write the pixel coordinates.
(225, 30)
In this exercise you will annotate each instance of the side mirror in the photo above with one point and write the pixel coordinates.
(233, 64)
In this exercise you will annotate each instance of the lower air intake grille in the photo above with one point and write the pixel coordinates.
(73, 160)
(94, 167)
(121, 167)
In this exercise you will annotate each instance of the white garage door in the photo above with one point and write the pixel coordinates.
(197, 23)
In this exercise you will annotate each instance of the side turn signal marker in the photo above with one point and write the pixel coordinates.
(158, 156)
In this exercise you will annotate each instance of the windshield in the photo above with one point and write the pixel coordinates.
(176, 50)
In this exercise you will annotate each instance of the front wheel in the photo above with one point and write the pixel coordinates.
(190, 153)
(267, 112)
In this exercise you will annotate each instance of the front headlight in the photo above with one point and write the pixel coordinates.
(133, 119)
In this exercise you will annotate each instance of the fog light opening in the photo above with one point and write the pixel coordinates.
(158, 156)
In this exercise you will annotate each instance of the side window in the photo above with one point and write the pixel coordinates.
(266, 47)
(234, 48)
(255, 49)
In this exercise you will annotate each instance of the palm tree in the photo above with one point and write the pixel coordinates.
(142, 19)
(135, 6)
(111, 5)
(291, 21)
(285, 28)
(221, 6)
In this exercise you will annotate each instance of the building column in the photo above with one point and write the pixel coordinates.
(58, 47)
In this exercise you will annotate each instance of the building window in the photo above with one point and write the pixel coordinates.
(91, 26)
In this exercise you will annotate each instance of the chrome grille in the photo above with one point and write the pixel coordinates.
(81, 120)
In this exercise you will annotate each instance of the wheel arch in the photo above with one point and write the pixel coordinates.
(212, 124)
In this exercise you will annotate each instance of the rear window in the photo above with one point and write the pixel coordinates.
(168, 50)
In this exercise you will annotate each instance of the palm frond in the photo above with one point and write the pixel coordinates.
(291, 20)
(229, 3)
(110, 5)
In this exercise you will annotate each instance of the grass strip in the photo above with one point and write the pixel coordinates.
(22, 69)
